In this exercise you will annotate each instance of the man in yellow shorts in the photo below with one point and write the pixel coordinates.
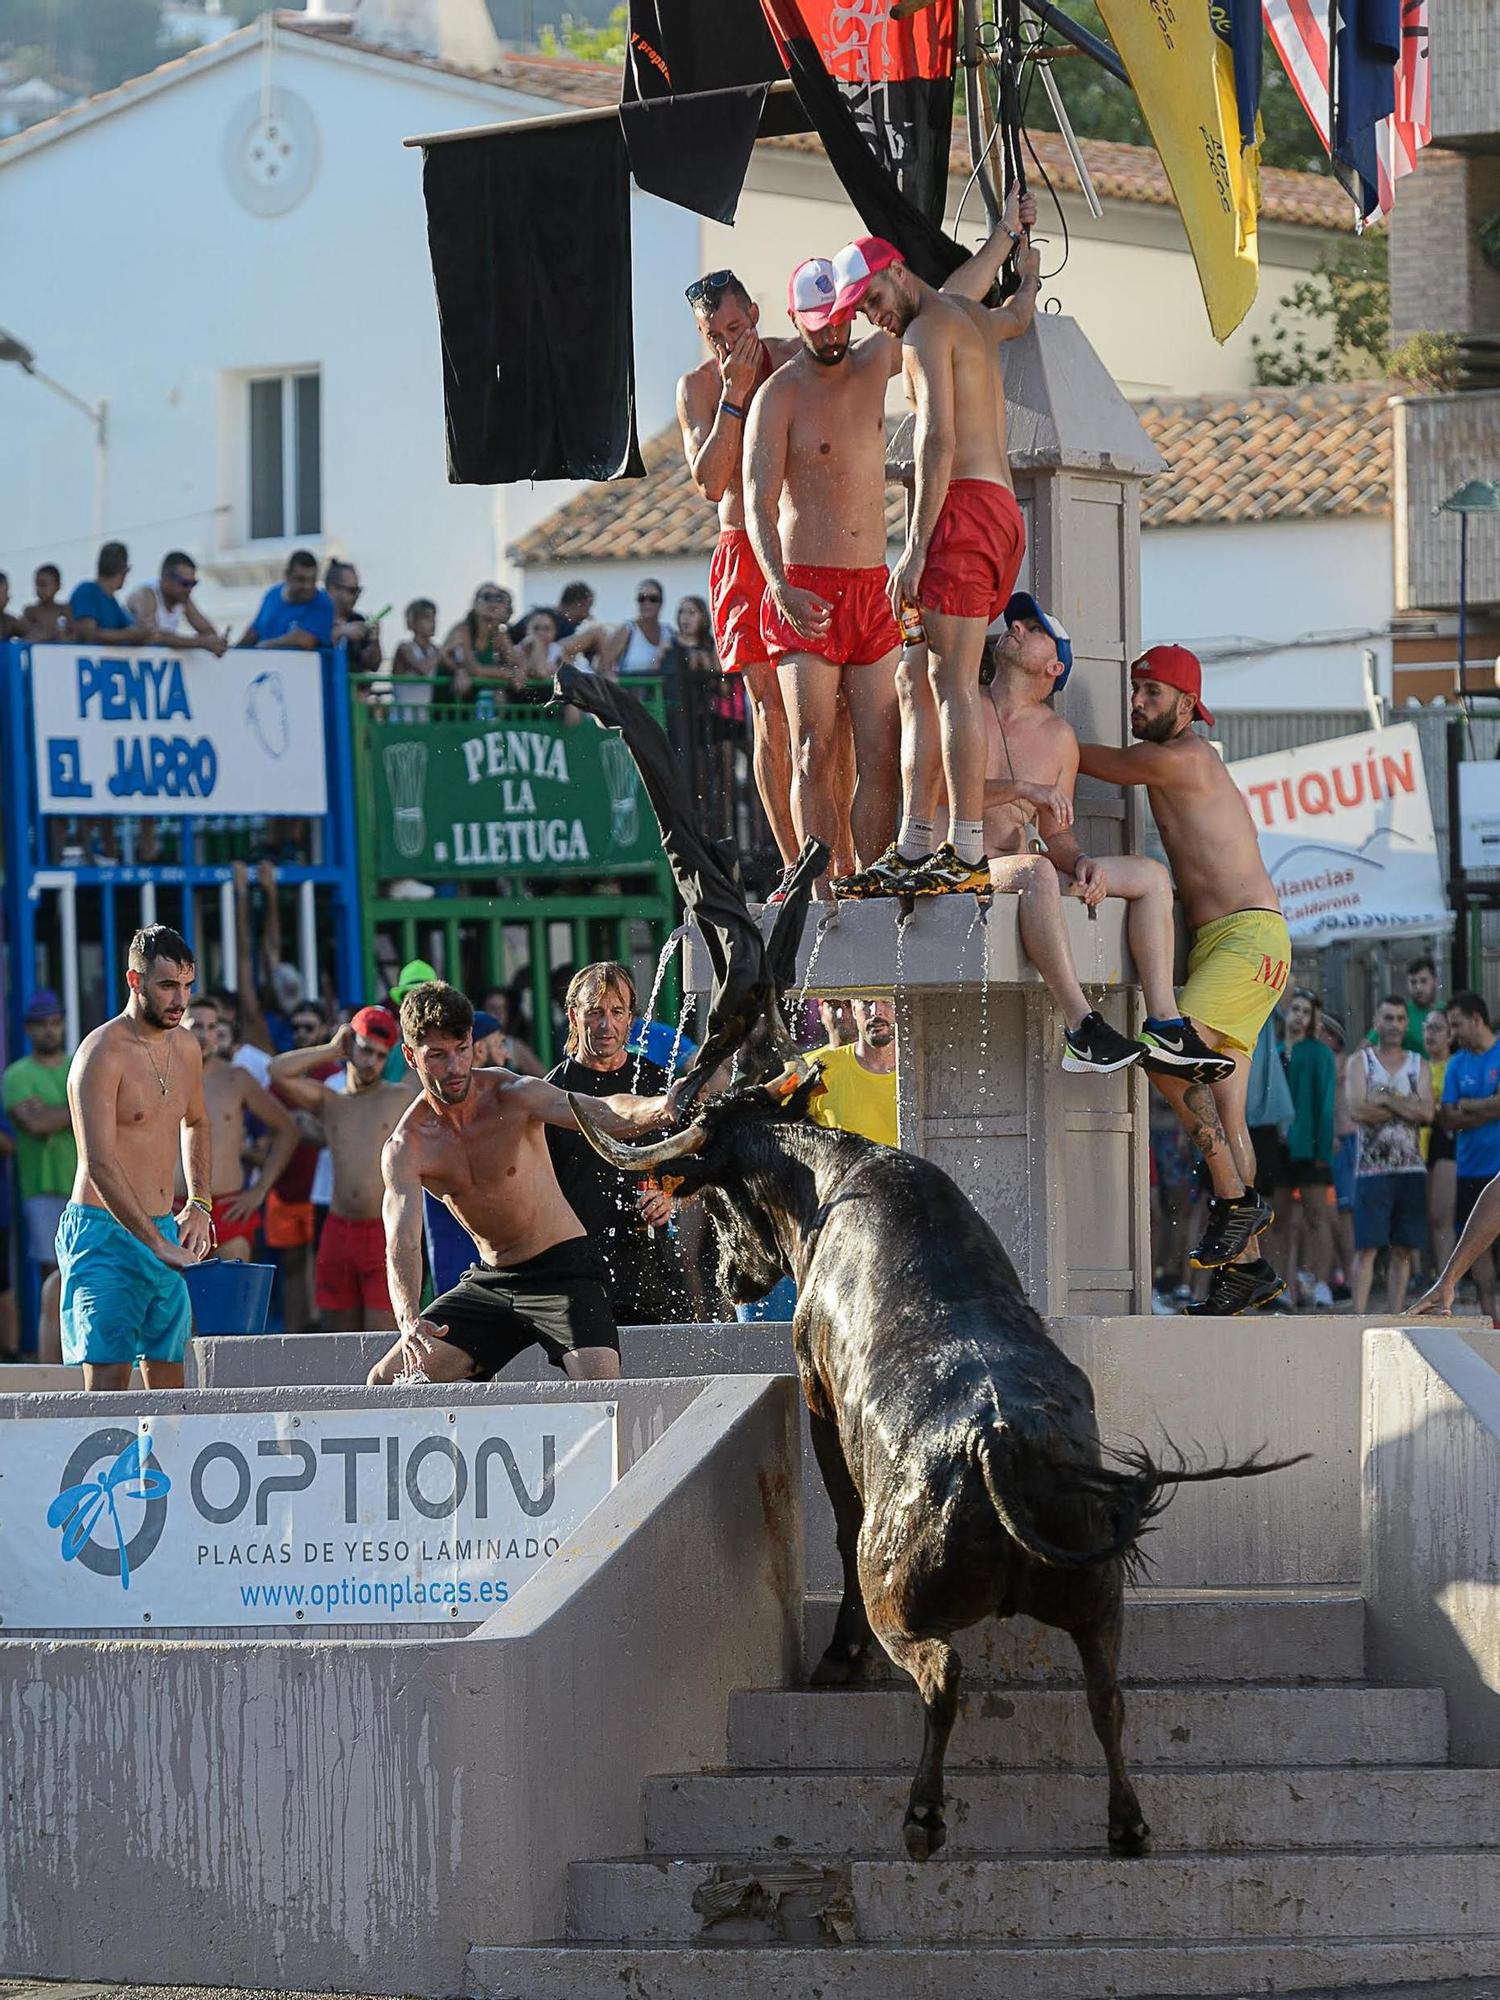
(1240, 958)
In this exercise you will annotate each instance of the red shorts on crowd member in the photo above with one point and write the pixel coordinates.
(736, 591)
(862, 629)
(288, 1224)
(975, 554)
(351, 1266)
(225, 1231)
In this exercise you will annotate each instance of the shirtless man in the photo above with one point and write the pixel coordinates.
(229, 1091)
(1240, 957)
(1030, 772)
(476, 1138)
(815, 511)
(965, 540)
(136, 1094)
(713, 407)
(349, 1287)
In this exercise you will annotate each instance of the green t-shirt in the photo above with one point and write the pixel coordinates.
(43, 1166)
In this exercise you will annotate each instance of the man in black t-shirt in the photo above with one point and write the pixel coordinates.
(646, 1284)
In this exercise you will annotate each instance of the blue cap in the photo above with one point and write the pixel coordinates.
(485, 1025)
(1024, 605)
(43, 1004)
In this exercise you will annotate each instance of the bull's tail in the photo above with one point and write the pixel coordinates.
(1131, 1492)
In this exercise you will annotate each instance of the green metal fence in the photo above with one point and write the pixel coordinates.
(533, 831)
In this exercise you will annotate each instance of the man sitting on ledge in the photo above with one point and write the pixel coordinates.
(1030, 771)
(476, 1138)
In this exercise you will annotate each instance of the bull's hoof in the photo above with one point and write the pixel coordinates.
(1129, 1841)
(924, 1832)
(837, 1669)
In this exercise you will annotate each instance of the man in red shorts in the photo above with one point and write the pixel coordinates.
(815, 510)
(228, 1093)
(713, 407)
(964, 544)
(350, 1283)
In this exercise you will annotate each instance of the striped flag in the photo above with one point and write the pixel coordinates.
(1299, 29)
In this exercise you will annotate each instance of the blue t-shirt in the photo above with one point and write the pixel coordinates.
(92, 600)
(1470, 1074)
(276, 617)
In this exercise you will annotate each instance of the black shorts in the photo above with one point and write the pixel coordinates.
(556, 1301)
(1307, 1173)
(1442, 1145)
(1469, 1188)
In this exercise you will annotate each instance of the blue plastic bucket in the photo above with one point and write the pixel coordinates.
(229, 1297)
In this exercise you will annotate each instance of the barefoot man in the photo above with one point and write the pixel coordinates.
(476, 1138)
(229, 1092)
(349, 1287)
(136, 1094)
(713, 408)
(1240, 958)
(815, 510)
(965, 540)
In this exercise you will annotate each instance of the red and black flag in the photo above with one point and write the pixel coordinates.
(880, 92)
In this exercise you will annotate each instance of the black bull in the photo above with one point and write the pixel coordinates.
(957, 1442)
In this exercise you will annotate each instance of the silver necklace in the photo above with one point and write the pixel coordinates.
(162, 1079)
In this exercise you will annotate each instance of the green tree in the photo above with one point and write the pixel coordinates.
(1335, 324)
(588, 44)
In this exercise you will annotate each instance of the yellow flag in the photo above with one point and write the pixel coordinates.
(1178, 57)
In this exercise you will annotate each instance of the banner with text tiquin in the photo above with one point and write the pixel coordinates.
(340, 1517)
(1345, 828)
(170, 733)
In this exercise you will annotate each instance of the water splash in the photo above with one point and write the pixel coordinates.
(981, 1082)
(825, 924)
(664, 959)
(689, 1003)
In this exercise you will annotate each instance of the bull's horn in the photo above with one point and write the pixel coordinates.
(632, 1159)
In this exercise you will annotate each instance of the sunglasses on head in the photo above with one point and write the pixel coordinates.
(707, 291)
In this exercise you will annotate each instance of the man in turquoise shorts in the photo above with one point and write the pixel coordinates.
(135, 1092)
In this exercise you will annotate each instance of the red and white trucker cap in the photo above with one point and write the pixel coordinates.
(857, 263)
(810, 295)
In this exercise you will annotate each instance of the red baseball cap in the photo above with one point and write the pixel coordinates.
(1174, 667)
(857, 263)
(378, 1027)
(810, 295)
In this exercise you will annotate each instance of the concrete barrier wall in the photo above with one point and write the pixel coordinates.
(354, 1815)
(1432, 1527)
(1290, 1382)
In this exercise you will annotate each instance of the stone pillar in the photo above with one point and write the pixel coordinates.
(1057, 1163)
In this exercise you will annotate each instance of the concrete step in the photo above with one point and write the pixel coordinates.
(863, 1729)
(1170, 1635)
(1000, 1972)
(998, 1812)
(1052, 1899)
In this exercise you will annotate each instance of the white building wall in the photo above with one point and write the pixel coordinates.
(1239, 596)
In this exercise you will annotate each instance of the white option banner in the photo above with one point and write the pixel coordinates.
(1345, 831)
(170, 733)
(337, 1517)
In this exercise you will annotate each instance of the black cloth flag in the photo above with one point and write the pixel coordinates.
(695, 150)
(529, 233)
(880, 93)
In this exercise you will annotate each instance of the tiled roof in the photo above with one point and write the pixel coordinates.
(1273, 455)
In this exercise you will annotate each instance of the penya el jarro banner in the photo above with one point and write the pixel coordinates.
(526, 797)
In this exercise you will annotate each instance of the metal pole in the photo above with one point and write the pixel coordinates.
(1458, 894)
(68, 919)
(227, 949)
(307, 924)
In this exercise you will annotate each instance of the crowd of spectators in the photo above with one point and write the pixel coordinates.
(1373, 1157)
(492, 656)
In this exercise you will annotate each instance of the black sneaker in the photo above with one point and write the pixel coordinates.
(1181, 1051)
(890, 874)
(946, 873)
(1239, 1288)
(1231, 1224)
(1095, 1046)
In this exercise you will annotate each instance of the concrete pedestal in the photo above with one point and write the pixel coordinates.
(1055, 1163)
